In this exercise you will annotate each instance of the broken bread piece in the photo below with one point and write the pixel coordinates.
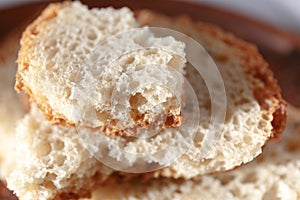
(51, 162)
(275, 167)
(72, 60)
(255, 110)
(273, 175)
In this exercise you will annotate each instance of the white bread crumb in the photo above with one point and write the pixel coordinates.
(273, 175)
(68, 63)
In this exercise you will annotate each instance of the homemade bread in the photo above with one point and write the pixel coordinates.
(255, 109)
(34, 146)
(255, 113)
(72, 60)
(51, 162)
(273, 175)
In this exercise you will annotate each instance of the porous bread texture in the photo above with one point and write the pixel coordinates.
(139, 80)
(231, 144)
(274, 175)
(247, 128)
(255, 109)
(51, 162)
(276, 171)
(11, 108)
(249, 122)
(71, 59)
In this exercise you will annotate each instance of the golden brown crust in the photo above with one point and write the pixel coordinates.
(266, 89)
(24, 61)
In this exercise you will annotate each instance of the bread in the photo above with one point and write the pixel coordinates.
(255, 109)
(51, 162)
(89, 90)
(254, 116)
(273, 175)
(11, 108)
(12, 156)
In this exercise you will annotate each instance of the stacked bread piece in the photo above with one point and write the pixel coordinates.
(72, 62)
(64, 65)
(273, 175)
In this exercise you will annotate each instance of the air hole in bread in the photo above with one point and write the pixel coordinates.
(150, 52)
(59, 145)
(283, 176)
(101, 116)
(227, 179)
(101, 28)
(178, 191)
(235, 192)
(247, 139)
(87, 51)
(266, 117)
(67, 93)
(136, 101)
(198, 140)
(43, 149)
(251, 177)
(49, 65)
(175, 61)
(262, 124)
(60, 160)
(90, 44)
(92, 36)
(249, 122)
(73, 46)
(50, 185)
(227, 136)
(129, 60)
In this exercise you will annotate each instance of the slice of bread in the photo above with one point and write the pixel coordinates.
(255, 109)
(249, 125)
(11, 108)
(83, 169)
(71, 66)
(274, 175)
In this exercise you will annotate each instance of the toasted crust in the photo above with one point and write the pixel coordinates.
(23, 61)
(266, 89)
